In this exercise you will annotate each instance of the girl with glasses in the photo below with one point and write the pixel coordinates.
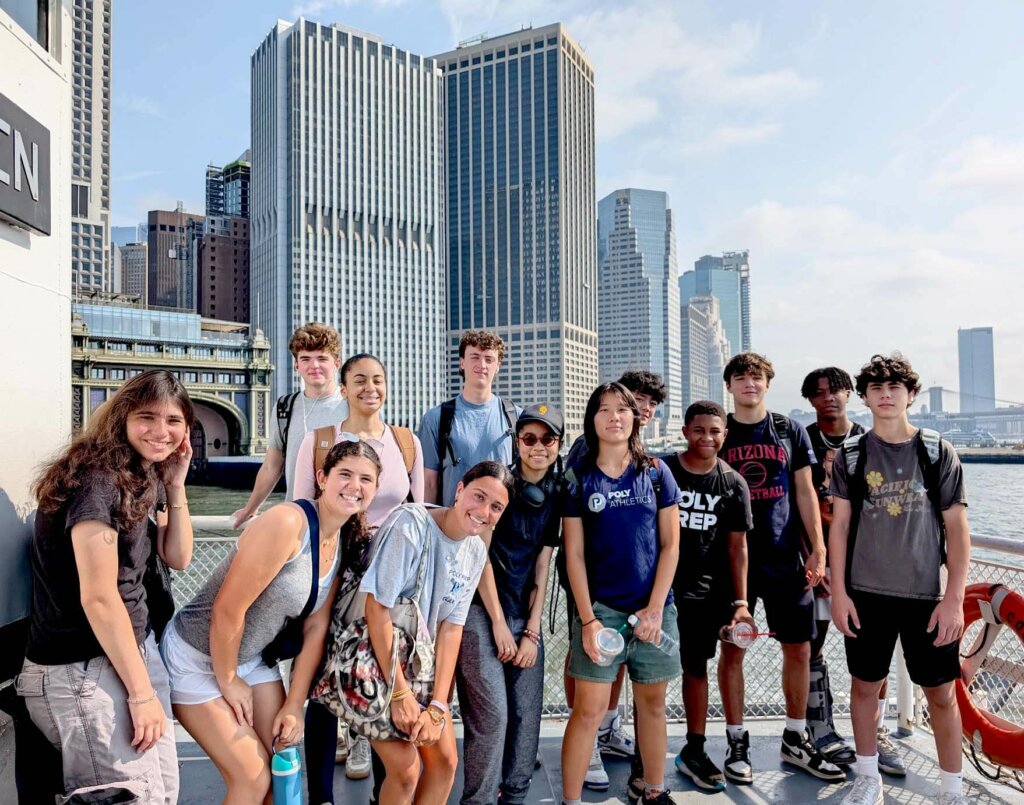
(500, 673)
(364, 386)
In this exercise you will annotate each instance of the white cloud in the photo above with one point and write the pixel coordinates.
(139, 105)
(830, 285)
(726, 137)
(984, 164)
(316, 8)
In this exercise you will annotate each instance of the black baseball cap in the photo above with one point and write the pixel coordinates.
(545, 414)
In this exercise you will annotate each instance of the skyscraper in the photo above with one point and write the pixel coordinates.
(172, 249)
(638, 293)
(977, 369)
(705, 310)
(135, 269)
(227, 188)
(222, 266)
(727, 278)
(90, 152)
(522, 250)
(347, 203)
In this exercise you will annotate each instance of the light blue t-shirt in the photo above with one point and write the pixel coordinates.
(479, 433)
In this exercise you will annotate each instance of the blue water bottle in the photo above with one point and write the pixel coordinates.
(286, 771)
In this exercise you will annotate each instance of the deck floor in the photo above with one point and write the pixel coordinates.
(773, 782)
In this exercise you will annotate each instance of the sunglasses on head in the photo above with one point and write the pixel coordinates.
(345, 436)
(530, 439)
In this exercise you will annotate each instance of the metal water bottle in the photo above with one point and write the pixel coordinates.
(286, 772)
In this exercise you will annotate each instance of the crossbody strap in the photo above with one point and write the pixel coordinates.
(314, 544)
(421, 571)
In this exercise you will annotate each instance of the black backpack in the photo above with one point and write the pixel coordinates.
(285, 406)
(928, 445)
(444, 434)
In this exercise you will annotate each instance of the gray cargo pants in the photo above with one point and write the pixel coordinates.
(501, 708)
(82, 710)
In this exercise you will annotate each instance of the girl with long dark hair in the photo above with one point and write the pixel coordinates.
(223, 691)
(621, 532)
(92, 679)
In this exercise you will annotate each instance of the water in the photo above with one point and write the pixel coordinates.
(991, 492)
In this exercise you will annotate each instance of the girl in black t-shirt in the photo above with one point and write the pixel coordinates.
(92, 679)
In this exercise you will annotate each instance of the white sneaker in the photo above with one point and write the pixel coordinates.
(614, 740)
(865, 791)
(358, 765)
(596, 778)
(952, 799)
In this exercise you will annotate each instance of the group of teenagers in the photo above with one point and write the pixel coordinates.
(823, 524)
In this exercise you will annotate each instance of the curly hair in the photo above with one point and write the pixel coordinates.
(481, 339)
(315, 337)
(638, 455)
(748, 363)
(355, 535)
(838, 380)
(642, 382)
(104, 445)
(704, 407)
(888, 369)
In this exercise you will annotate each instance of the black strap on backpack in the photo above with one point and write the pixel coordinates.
(780, 424)
(444, 434)
(285, 406)
(928, 447)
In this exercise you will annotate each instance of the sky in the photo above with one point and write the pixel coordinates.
(869, 155)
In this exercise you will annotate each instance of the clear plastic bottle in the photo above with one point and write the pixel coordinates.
(667, 644)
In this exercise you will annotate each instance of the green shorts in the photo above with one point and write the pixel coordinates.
(647, 663)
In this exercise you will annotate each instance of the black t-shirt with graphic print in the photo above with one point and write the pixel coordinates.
(712, 506)
(825, 449)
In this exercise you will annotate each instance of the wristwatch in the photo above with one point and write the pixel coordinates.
(739, 602)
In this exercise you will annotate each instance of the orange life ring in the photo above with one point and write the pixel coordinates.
(995, 737)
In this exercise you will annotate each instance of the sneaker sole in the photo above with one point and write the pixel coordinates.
(596, 786)
(684, 770)
(821, 775)
(738, 779)
(892, 771)
(615, 751)
(357, 774)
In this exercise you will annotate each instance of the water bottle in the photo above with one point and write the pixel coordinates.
(286, 771)
(667, 644)
(742, 634)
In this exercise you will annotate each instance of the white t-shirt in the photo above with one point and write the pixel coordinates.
(452, 572)
(307, 415)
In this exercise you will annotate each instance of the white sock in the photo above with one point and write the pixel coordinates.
(735, 731)
(609, 718)
(798, 725)
(571, 801)
(867, 766)
(882, 703)
(951, 782)
(651, 788)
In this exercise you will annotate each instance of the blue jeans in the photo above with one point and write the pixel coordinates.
(501, 708)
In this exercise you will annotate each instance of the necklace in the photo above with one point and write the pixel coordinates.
(834, 445)
(311, 409)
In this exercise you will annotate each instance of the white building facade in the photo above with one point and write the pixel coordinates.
(348, 204)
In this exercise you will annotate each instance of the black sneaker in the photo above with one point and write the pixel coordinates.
(737, 762)
(661, 798)
(635, 789)
(699, 768)
(835, 749)
(797, 750)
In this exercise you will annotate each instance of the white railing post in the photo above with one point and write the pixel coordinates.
(905, 715)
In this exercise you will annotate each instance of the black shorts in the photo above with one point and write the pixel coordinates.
(788, 606)
(883, 618)
(700, 621)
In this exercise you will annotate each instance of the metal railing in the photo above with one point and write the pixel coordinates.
(1002, 676)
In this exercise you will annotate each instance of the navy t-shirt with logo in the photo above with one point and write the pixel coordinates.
(756, 452)
(621, 546)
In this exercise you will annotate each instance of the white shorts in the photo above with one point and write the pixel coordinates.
(192, 678)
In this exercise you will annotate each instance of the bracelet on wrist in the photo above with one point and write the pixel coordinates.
(592, 620)
(182, 505)
(438, 705)
(142, 700)
(740, 602)
(397, 695)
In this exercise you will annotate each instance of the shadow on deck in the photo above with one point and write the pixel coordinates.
(773, 782)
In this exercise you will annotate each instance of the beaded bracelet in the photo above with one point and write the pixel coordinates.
(532, 635)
